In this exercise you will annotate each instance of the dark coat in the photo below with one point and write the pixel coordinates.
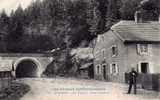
(132, 77)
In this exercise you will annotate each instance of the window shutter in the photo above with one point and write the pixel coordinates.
(151, 68)
(117, 69)
(139, 67)
(116, 50)
(111, 68)
(100, 69)
(138, 70)
(138, 49)
(96, 69)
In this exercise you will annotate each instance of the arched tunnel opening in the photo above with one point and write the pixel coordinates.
(26, 69)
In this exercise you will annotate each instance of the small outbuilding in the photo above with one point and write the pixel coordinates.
(86, 71)
(5, 74)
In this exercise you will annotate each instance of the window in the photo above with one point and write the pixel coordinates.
(142, 48)
(114, 51)
(104, 71)
(97, 69)
(114, 69)
(144, 67)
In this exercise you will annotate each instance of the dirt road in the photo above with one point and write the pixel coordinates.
(75, 89)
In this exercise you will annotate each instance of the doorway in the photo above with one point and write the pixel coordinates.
(91, 71)
(145, 67)
(104, 72)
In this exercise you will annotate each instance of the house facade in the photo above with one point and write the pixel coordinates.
(128, 44)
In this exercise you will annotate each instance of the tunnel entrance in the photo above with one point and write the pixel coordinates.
(26, 68)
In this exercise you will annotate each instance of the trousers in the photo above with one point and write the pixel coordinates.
(130, 88)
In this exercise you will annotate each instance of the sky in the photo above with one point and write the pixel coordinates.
(8, 5)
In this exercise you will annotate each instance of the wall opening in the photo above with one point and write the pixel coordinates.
(144, 67)
(104, 72)
(91, 71)
(26, 68)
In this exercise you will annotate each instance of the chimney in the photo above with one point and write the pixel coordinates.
(138, 17)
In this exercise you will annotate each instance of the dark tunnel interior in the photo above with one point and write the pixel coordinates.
(25, 69)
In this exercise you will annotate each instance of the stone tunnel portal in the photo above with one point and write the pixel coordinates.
(26, 68)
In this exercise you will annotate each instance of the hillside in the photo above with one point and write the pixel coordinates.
(66, 24)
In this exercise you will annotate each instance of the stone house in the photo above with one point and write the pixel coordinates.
(126, 45)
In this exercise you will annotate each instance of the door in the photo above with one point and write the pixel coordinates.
(145, 67)
(104, 72)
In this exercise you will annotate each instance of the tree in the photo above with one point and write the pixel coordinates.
(113, 14)
(102, 7)
(4, 21)
(128, 9)
(4, 24)
(150, 8)
(93, 17)
(15, 30)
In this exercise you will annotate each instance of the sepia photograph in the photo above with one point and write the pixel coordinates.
(79, 49)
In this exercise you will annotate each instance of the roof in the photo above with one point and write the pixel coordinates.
(130, 31)
(83, 53)
(85, 66)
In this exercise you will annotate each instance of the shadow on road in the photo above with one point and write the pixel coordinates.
(14, 92)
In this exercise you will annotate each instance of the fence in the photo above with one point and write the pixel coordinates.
(147, 81)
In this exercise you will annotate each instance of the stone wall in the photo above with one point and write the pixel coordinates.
(40, 60)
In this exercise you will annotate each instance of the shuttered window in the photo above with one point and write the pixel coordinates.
(114, 69)
(144, 48)
(114, 51)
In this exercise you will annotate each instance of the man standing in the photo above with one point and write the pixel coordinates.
(132, 81)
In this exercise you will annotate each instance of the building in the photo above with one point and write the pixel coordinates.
(127, 44)
(86, 71)
(5, 74)
(83, 62)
